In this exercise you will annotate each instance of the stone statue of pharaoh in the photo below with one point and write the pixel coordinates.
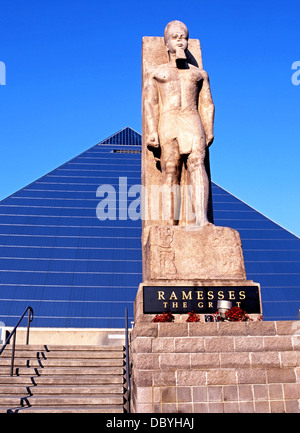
(179, 112)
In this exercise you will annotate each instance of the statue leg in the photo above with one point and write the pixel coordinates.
(199, 182)
(170, 167)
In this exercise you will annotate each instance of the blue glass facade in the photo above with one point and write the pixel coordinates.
(78, 271)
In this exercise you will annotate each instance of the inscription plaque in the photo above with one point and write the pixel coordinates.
(200, 299)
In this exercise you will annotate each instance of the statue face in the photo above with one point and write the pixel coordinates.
(177, 38)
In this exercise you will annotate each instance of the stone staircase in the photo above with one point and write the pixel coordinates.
(63, 379)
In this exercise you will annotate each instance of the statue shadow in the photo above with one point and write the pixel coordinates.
(191, 59)
(157, 154)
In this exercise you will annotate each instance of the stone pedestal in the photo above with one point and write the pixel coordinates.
(193, 258)
(215, 367)
(192, 253)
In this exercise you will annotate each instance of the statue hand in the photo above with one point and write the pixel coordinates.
(209, 139)
(152, 140)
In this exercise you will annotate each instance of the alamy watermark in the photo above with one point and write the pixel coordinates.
(296, 75)
(2, 332)
(138, 202)
(2, 74)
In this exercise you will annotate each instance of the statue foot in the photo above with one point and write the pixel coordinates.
(203, 224)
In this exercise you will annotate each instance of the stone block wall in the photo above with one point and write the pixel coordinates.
(216, 367)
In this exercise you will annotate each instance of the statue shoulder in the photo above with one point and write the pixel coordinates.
(204, 74)
(200, 72)
(157, 71)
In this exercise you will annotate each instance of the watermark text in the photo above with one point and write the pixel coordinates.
(139, 203)
(2, 74)
(296, 75)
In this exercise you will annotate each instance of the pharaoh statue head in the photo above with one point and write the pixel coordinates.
(176, 37)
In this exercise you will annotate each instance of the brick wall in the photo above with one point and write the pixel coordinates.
(216, 367)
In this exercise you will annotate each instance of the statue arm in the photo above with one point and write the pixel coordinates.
(151, 111)
(207, 109)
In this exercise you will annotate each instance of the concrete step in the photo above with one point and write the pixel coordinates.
(43, 363)
(65, 409)
(60, 390)
(78, 400)
(82, 354)
(62, 380)
(67, 371)
(52, 348)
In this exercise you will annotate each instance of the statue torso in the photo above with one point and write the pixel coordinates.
(178, 88)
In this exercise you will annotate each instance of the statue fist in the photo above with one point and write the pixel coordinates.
(209, 139)
(153, 140)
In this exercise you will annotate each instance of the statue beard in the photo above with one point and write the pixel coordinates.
(180, 54)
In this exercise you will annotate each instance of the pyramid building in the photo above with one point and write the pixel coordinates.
(78, 271)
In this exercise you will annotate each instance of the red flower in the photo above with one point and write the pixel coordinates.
(236, 314)
(164, 317)
(193, 317)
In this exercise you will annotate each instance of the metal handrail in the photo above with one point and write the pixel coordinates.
(14, 333)
(127, 360)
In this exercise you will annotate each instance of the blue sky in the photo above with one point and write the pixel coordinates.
(73, 77)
